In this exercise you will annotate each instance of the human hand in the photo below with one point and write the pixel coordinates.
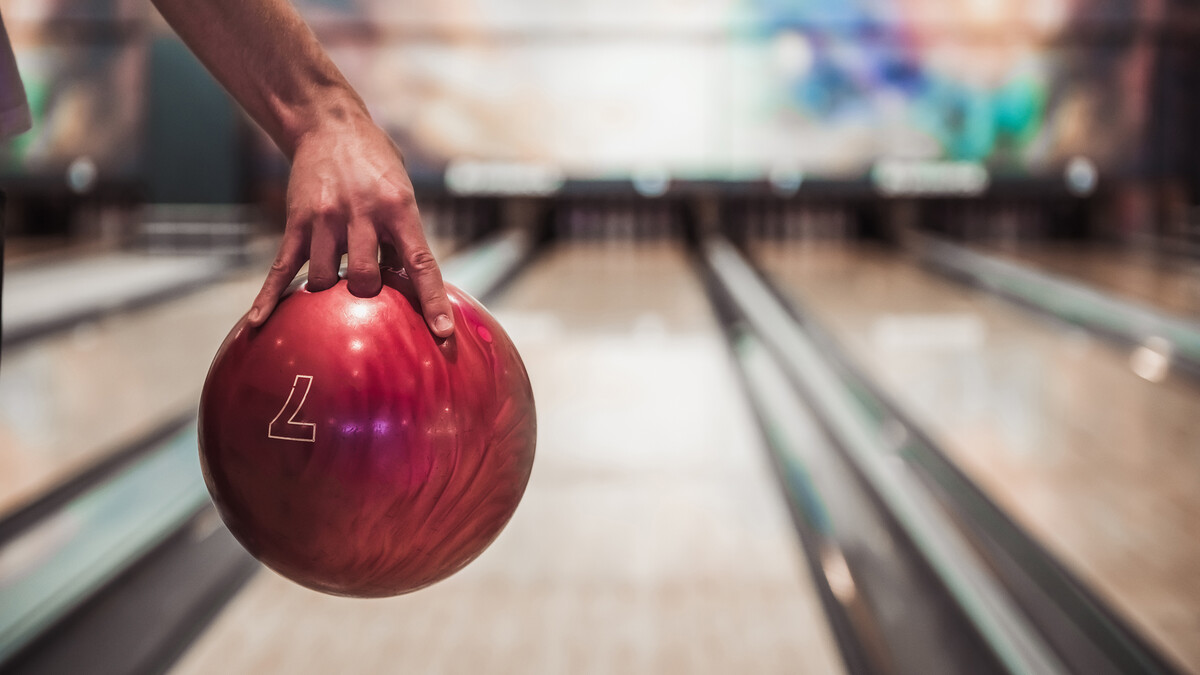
(349, 193)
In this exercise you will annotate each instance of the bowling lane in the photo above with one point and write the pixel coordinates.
(652, 538)
(1098, 463)
(68, 398)
(1169, 283)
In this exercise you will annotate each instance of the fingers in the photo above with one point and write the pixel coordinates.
(326, 254)
(425, 274)
(362, 270)
(288, 262)
(431, 290)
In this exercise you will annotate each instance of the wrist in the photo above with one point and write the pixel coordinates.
(332, 110)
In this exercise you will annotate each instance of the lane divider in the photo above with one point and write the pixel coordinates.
(1033, 614)
(981, 598)
(1175, 338)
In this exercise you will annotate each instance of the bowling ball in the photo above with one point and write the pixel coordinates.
(353, 452)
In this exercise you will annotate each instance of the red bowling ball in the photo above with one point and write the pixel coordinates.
(353, 452)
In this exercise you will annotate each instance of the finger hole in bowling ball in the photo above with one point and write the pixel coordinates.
(449, 348)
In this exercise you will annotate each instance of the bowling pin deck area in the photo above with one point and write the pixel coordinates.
(659, 532)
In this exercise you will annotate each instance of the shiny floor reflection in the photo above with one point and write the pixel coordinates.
(1097, 461)
(67, 399)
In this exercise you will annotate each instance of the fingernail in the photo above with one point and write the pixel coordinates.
(442, 324)
(255, 314)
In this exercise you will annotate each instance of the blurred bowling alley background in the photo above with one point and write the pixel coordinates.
(864, 335)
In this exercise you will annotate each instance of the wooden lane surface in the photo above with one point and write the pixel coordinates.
(652, 538)
(1168, 283)
(1098, 463)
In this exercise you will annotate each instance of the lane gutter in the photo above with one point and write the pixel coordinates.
(1033, 614)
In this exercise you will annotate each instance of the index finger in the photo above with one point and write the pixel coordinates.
(423, 270)
(288, 262)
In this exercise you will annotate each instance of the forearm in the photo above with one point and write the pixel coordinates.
(268, 59)
(348, 191)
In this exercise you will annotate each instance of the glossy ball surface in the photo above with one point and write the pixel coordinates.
(353, 452)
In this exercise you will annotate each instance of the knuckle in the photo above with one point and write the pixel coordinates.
(398, 201)
(394, 187)
(421, 261)
(281, 266)
(405, 200)
(324, 211)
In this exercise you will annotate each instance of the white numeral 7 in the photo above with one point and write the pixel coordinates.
(291, 430)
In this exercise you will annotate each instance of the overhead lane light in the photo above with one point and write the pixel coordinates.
(1081, 176)
(473, 177)
(909, 177)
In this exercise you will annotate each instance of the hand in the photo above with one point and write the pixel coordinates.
(349, 193)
